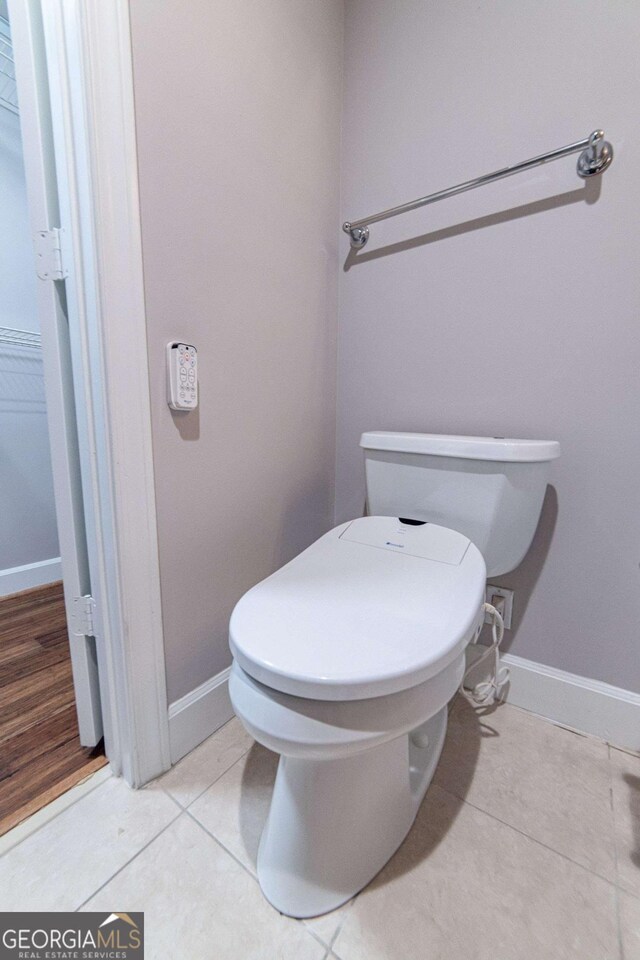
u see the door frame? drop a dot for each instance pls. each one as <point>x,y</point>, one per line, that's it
<point>90,74</point>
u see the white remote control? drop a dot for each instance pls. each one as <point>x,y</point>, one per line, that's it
<point>182,376</point>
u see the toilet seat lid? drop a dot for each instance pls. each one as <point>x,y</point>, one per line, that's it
<point>373,607</point>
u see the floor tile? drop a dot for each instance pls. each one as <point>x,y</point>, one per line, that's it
<point>235,807</point>
<point>630,926</point>
<point>326,926</point>
<point>465,886</point>
<point>625,783</point>
<point>65,861</point>
<point>548,782</point>
<point>200,903</point>
<point>200,768</point>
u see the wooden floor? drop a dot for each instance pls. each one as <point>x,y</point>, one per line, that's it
<point>40,752</point>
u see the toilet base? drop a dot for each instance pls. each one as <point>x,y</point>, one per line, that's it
<point>333,824</point>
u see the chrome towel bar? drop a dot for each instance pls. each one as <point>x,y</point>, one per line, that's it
<point>596,155</point>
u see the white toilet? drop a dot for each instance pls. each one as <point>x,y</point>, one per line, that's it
<point>346,658</point>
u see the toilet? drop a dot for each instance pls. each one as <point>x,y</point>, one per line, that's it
<point>345,659</point>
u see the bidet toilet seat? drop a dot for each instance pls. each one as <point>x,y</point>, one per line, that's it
<point>373,607</point>
<point>331,729</point>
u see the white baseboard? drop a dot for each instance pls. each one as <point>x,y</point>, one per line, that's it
<point>15,579</point>
<point>198,714</point>
<point>590,706</point>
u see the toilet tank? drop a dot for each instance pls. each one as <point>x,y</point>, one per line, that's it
<point>488,488</point>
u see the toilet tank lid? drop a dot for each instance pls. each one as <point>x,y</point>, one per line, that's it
<point>467,448</point>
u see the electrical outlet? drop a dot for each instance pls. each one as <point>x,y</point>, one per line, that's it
<point>502,600</point>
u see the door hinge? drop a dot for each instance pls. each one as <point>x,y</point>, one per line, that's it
<point>83,616</point>
<point>50,263</point>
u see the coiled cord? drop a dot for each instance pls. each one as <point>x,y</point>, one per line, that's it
<point>486,693</point>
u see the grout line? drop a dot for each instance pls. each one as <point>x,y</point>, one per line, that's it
<point>222,846</point>
<point>349,908</point>
<point>621,951</point>
<point>627,892</point>
<point>253,876</point>
<point>209,785</point>
<point>101,776</point>
<point>613,815</point>
<point>313,934</point>
<point>627,750</point>
<point>202,792</point>
<point>615,856</point>
<point>219,777</point>
<point>180,812</point>
<point>316,936</point>
<point>187,810</point>
<point>173,799</point>
<point>540,843</point>
<point>129,861</point>
<point>346,908</point>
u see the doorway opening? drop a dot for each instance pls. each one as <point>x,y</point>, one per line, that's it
<point>44,750</point>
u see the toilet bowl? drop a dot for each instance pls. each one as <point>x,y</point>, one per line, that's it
<point>346,658</point>
<point>344,663</point>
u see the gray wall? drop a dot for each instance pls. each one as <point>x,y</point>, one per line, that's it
<point>512,310</point>
<point>238,116</point>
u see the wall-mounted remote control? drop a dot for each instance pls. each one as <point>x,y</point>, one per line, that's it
<point>182,376</point>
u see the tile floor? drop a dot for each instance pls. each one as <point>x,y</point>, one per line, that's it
<point>527,846</point>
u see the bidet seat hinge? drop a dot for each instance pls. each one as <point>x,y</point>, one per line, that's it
<point>49,258</point>
<point>83,616</point>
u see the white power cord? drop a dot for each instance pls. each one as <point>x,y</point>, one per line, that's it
<point>486,693</point>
